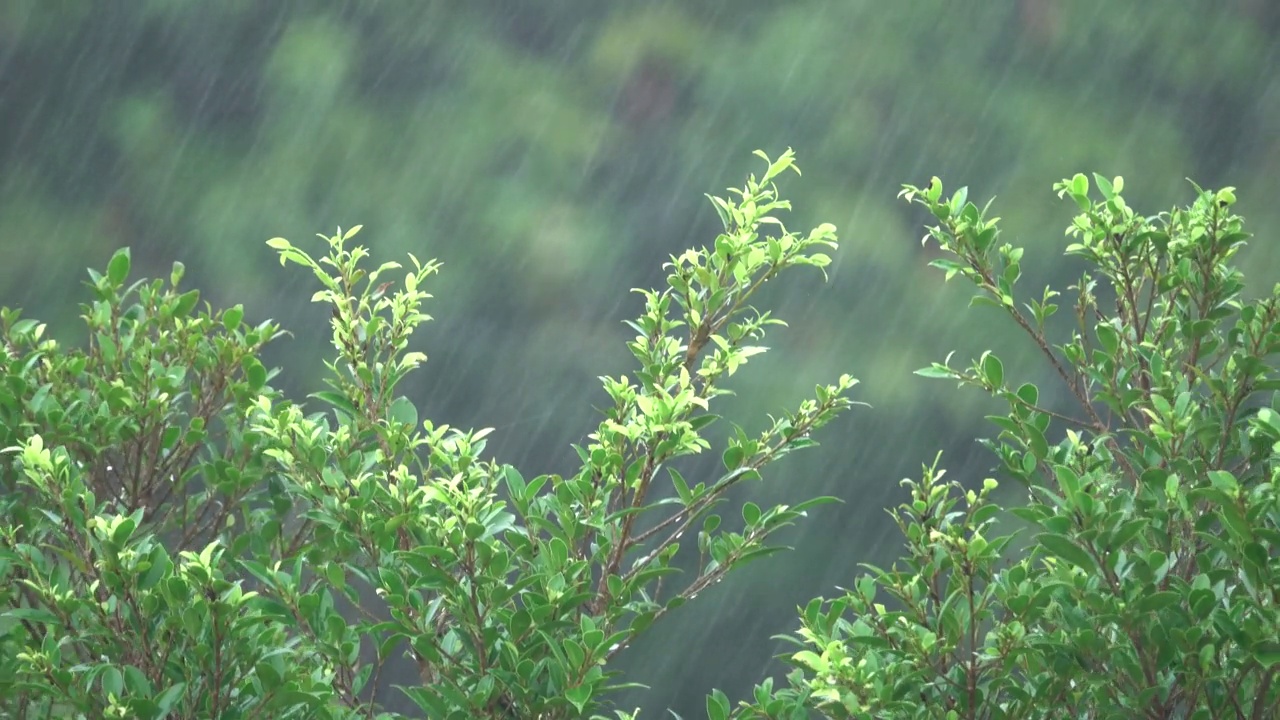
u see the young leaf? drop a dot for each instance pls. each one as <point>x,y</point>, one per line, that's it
<point>118,267</point>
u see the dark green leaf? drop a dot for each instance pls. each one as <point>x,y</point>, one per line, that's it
<point>1157,601</point>
<point>701,421</point>
<point>1267,653</point>
<point>123,531</point>
<point>682,487</point>
<point>1062,547</point>
<point>186,301</point>
<point>29,614</point>
<point>335,399</point>
<point>254,373</point>
<point>166,700</point>
<point>112,681</point>
<point>733,456</point>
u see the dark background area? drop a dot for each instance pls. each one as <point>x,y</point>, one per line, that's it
<point>553,153</point>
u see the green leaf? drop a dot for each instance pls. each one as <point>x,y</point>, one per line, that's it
<point>1061,546</point>
<point>1079,184</point>
<point>950,267</point>
<point>934,191</point>
<point>335,399</point>
<point>722,210</point>
<point>1069,482</point>
<point>136,682</point>
<point>682,487</point>
<point>118,267</point>
<point>803,507</point>
<point>1267,653</point>
<point>993,370</point>
<point>1104,186</point>
<point>335,575</point>
<point>810,660</point>
<point>160,567</point>
<point>711,523</point>
<point>404,411</point>
<point>123,531</point>
<point>760,552</point>
<point>516,484</point>
<point>750,513</point>
<point>186,301</point>
<point>717,706</point>
<point>112,681</point>
<point>29,614</point>
<point>732,457</point>
<point>578,696</point>
<point>232,317</point>
<point>254,372</point>
<point>1127,532</point>
<point>1109,337</point>
<point>1038,444</point>
<point>166,700</point>
<point>701,421</point>
<point>40,397</point>
<point>1029,393</point>
<point>936,371</point>
<point>1225,481</point>
<point>984,301</point>
<point>1157,601</point>
<point>1235,521</point>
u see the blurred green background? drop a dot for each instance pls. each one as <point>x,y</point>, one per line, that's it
<point>552,153</point>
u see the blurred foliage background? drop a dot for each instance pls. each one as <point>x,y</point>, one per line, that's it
<point>553,153</point>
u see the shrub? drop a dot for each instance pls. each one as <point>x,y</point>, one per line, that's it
<point>1141,578</point>
<point>179,540</point>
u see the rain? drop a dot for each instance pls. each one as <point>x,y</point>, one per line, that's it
<point>554,155</point>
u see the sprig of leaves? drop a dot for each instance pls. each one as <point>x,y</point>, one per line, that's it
<point>1149,585</point>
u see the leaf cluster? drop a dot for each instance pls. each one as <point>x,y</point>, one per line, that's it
<point>1142,578</point>
<point>180,540</point>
